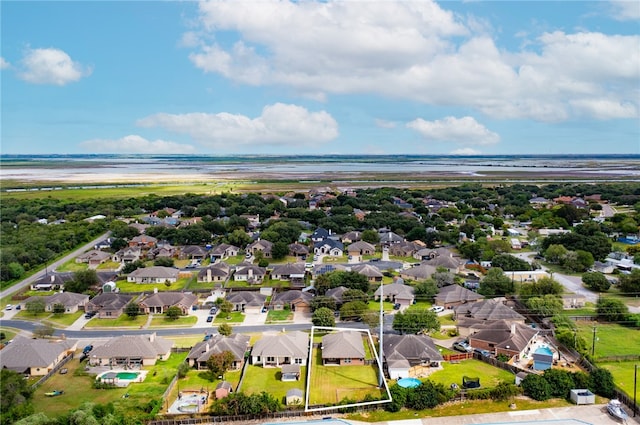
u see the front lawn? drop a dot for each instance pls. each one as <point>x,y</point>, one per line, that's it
<point>72,266</point>
<point>65,319</point>
<point>285,315</point>
<point>123,321</point>
<point>233,317</point>
<point>453,372</point>
<point>331,384</point>
<point>182,321</point>
<point>611,339</point>
<point>268,379</point>
<point>125,286</point>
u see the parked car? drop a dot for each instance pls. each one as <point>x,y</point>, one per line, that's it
<point>9,307</point>
<point>437,308</point>
<point>213,310</point>
<point>90,314</point>
<point>396,306</point>
<point>483,353</point>
<point>209,319</point>
<point>18,307</point>
<point>462,346</point>
<point>87,349</point>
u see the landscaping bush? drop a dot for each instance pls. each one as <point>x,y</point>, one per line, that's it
<point>602,382</point>
<point>561,382</point>
<point>536,387</point>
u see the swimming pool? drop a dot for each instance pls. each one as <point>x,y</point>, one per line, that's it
<point>409,382</point>
<point>128,375</point>
<point>121,378</point>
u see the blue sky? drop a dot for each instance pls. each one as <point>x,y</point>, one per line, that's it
<point>306,77</point>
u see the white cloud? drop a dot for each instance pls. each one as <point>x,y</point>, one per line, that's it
<point>465,151</point>
<point>189,39</point>
<point>51,66</point>
<point>625,10</point>
<point>384,123</point>
<point>465,131</point>
<point>605,109</point>
<point>279,124</point>
<point>135,144</point>
<point>417,51</point>
<point>4,64</point>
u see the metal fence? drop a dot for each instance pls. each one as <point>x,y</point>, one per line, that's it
<point>53,371</point>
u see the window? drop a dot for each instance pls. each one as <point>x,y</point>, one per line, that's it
<point>298,361</point>
<point>347,360</point>
<point>271,359</point>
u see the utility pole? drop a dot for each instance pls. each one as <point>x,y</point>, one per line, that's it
<point>635,383</point>
<point>593,344</point>
<point>381,380</point>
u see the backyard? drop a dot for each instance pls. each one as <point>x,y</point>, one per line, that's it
<point>611,339</point>
<point>268,379</point>
<point>453,372</point>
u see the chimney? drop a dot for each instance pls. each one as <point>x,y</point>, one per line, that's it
<point>250,272</point>
<point>155,290</point>
<point>513,328</point>
<point>208,276</point>
<point>53,278</point>
<point>152,337</point>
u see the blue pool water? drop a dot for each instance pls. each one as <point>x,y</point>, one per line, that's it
<point>544,350</point>
<point>409,382</point>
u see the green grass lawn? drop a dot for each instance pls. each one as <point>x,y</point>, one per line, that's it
<point>234,317</point>
<point>125,286</point>
<point>163,321</point>
<point>123,321</point>
<point>9,333</point>
<point>489,376</point>
<point>274,316</point>
<point>268,379</point>
<point>109,265</point>
<point>330,384</point>
<point>64,320</point>
<point>195,285</point>
<point>72,266</point>
<point>611,339</point>
<point>623,375</point>
<point>375,306</point>
<point>589,309</point>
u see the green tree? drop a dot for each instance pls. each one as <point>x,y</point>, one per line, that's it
<point>132,310</point>
<point>225,329</point>
<point>509,262</point>
<point>547,305</point>
<point>59,308</point>
<point>370,236</point>
<point>35,306</point>
<point>630,283</point>
<point>238,238</point>
<point>280,250</point>
<point>612,309</point>
<point>426,289</point>
<point>555,253</point>
<point>352,310</point>
<point>15,397</point>
<point>560,381</point>
<point>45,331</point>
<point>536,387</point>
<point>133,266</point>
<point>82,281</point>
<point>355,295</point>
<point>414,321</point>
<point>225,307</point>
<point>596,281</point>
<point>602,382</point>
<point>323,317</point>
<point>163,261</point>
<point>323,301</point>
<point>219,363</point>
<point>173,312</point>
<point>496,283</point>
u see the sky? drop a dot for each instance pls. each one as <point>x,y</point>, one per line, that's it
<point>320,77</point>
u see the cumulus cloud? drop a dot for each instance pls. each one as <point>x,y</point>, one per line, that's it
<point>385,124</point>
<point>465,131</point>
<point>465,151</point>
<point>51,66</point>
<point>625,10</point>
<point>4,64</point>
<point>414,50</point>
<point>135,144</point>
<point>279,124</point>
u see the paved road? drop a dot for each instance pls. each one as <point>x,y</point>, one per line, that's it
<point>28,281</point>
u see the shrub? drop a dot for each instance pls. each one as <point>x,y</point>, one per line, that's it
<point>536,387</point>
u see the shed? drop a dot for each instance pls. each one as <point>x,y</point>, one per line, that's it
<point>293,397</point>
<point>223,389</point>
<point>290,372</point>
<point>582,397</point>
<point>520,377</point>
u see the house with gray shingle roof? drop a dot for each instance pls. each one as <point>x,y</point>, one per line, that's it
<point>420,272</point>
<point>505,337</point>
<point>127,255</point>
<point>329,247</point>
<point>247,301</point>
<point>218,272</point>
<point>371,272</point>
<point>236,344</point>
<point>93,258</point>
<point>154,274</point>
<point>487,310</point>
<point>193,252</point>
<point>337,294</point>
<point>298,250</point>
<point>35,357</point>
<point>396,293</point>
<point>455,295</point>
<point>280,349</point>
<point>131,351</point>
<point>71,301</point>
<point>361,248</point>
<point>250,273</point>
<point>295,300</point>
<point>223,251</point>
<point>159,302</point>
<point>402,353</point>
<point>292,272</point>
<point>343,348</point>
<point>261,245</point>
<point>109,305</point>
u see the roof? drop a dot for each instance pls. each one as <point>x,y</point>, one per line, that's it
<point>111,300</point>
<point>395,289</point>
<point>336,293</point>
<point>343,345</point>
<point>410,347</point>
<point>292,295</point>
<point>423,271</point>
<point>155,272</point>
<point>367,270</point>
<point>294,392</point>
<point>236,344</point>
<point>503,334</point>
<point>161,299</point>
<point>24,353</point>
<point>292,344</point>
<point>256,270</point>
<point>218,269</point>
<point>491,309</point>
<point>456,293</point>
<point>249,298</point>
<point>290,368</point>
<point>146,346</point>
<point>225,385</point>
<point>222,248</point>
<point>288,269</point>
<point>361,246</point>
<point>332,243</point>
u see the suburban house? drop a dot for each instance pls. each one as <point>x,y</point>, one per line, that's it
<point>504,337</point>
<point>51,282</point>
<point>154,274</point>
<point>109,305</point>
<point>140,227</point>
<point>71,301</point>
<point>143,241</point>
<point>372,273</point>
<point>236,344</point>
<point>454,295</point>
<point>396,293</point>
<point>127,255</point>
<point>452,264</point>
<point>298,250</point>
<point>351,237</point>
<point>320,234</point>
<point>223,251</point>
<point>526,276</point>
<point>35,357</point>
<point>422,271</point>
<point>343,348</point>
<point>405,355</point>
<point>573,301</point>
<point>281,349</point>
<point>131,351</point>
<point>404,249</point>
<point>389,238</point>
<point>193,252</point>
<point>218,272</point>
<point>487,310</point>
<point>262,246</point>
<point>330,247</point>
<point>247,301</point>
<point>292,272</point>
<point>93,258</point>
<point>361,248</point>
<point>295,300</point>
<point>159,302</point>
<point>104,244</point>
<point>252,274</point>
<point>337,294</point>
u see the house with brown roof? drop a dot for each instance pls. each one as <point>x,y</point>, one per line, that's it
<point>93,258</point>
<point>280,349</point>
<point>298,250</point>
<point>71,301</point>
<point>35,357</point>
<point>159,302</point>
<point>131,351</point>
<point>236,344</point>
<point>372,273</point>
<point>250,273</point>
<point>143,241</point>
<point>291,272</point>
<point>108,305</point>
<point>218,272</point>
<point>405,355</point>
<point>262,246</point>
<point>504,337</point>
<point>351,237</point>
<point>193,252</point>
<point>343,348</point>
<point>247,301</point>
<point>488,310</point>
<point>455,295</point>
<point>154,274</point>
<point>223,251</point>
<point>360,248</point>
<point>404,249</point>
<point>295,300</point>
<point>223,389</point>
<point>127,255</point>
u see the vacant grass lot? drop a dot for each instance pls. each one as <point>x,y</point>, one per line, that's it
<point>182,321</point>
<point>623,375</point>
<point>611,339</point>
<point>330,384</point>
<point>268,379</point>
<point>489,376</point>
<point>123,321</point>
